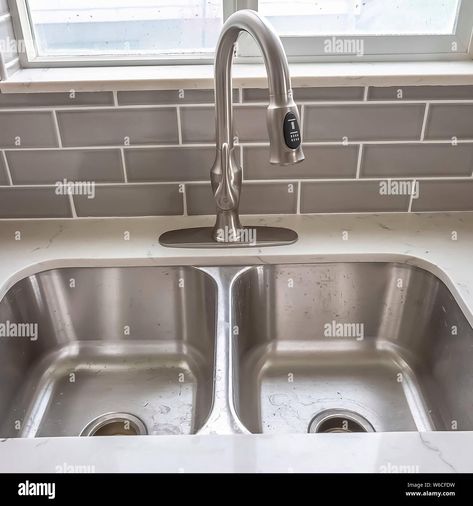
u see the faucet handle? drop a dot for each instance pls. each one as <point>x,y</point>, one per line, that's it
<point>227,194</point>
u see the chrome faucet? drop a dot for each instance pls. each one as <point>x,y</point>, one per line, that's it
<point>284,135</point>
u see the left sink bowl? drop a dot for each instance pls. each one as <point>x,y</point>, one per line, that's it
<point>102,351</point>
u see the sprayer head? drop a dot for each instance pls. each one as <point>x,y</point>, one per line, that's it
<point>284,134</point>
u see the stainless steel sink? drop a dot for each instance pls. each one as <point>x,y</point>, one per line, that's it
<point>334,347</point>
<point>130,343</point>
<point>371,345</point>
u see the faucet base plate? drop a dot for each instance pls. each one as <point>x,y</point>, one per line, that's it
<point>201,237</point>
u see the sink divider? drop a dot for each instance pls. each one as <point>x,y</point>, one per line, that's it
<point>223,418</point>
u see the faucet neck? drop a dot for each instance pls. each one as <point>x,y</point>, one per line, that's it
<point>274,58</point>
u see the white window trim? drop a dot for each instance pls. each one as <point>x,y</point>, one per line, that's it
<point>299,49</point>
<point>172,77</point>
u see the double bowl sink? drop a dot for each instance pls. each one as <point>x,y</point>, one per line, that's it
<point>296,348</point>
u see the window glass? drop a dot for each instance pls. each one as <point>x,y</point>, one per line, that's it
<point>106,27</point>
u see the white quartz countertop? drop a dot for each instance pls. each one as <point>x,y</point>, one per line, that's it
<point>441,243</point>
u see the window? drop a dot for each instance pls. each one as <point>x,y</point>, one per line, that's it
<point>364,17</point>
<point>371,29</point>
<point>81,32</point>
<point>84,30</point>
<point>102,27</point>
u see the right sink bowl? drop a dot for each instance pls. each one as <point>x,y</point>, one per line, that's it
<point>343,347</point>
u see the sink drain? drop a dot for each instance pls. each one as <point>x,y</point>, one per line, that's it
<point>115,424</point>
<point>339,420</point>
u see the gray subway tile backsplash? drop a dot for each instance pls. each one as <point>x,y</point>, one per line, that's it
<point>250,124</point>
<point>69,99</point>
<point>40,202</point>
<point>165,97</point>
<point>320,94</point>
<point>169,97</point>
<point>450,120</point>
<point>256,198</point>
<point>454,195</point>
<point>320,162</point>
<point>198,124</point>
<point>417,160</point>
<point>181,163</point>
<point>27,129</point>
<point>421,93</point>
<point>140,153</point>
<point>50,166</point>
<point>363,122</point>
<point>349,197</point>
<point>104,127</point>
<point>131,200</point>
<point>200,199</point>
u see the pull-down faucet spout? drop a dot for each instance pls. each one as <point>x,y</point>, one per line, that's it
<point>284,135</point>
<point>282,116</point>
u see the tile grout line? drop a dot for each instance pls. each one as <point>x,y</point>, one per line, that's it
<point>124,170</point>
<point>7,168</point>
<point>411,199</point>
<point>111,147</point>
<point>424,123</point>
<point>359,160</point>
<point>322,213</point>
<point>285,181</point>
<point>179,124</point>
<point>298,203</point>
<point>184,199</point>
<point>56,128</point>
<point>72,205</point>
<point>336,143</point>
<point>201,182</point>
<point>211,105</point>
<point>355,142</point>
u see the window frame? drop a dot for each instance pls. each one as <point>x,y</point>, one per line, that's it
<point>382,48</point>
<point>299,49</point>
<point>30,59</point>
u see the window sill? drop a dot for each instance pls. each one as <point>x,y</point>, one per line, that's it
<point>245,75</point>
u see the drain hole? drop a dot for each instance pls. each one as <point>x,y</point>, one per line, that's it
<point>335,420</point>
<point>121,428</point>
<point>340,424</point>
<point>115,424</point>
